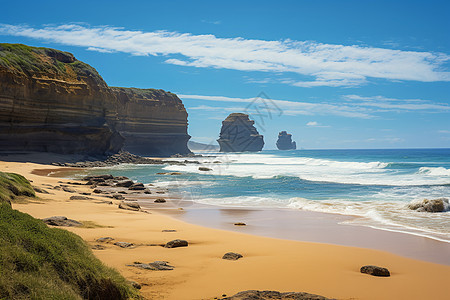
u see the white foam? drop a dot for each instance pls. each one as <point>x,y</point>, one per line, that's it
<point>320,170</point>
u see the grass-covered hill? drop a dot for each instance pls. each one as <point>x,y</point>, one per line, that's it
<point>38,262</point>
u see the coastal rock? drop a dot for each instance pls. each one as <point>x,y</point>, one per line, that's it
<point>285,142</point>
<point>124,183</point>
<point>124,244</point>
<point>375,271</point>
<point>105,239</point>
<point>66,107</point>
<point>61,221</point>
<point>118,197</point>
<point>238,134</point>
<point>39,190</point>
<point>176,243</point>
<point>154,266</point>
<point>274,295</point>
<point>433,205</point>
<point>135,284</point>
<point>68,189</point>
<point>129,205</point>
<point>79,198</point>
<point>160,200</point>
<point>232,256</point>
<point>240,224</point>
<point>137,187</point>
<point>204,169</point>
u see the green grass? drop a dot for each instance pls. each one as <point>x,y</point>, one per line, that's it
<point>38,262</point>
<point>14,185</point>
<point>39,60</point>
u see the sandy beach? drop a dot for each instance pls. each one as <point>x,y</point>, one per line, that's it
<point>200,272</point>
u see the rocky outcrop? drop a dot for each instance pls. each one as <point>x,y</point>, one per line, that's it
<point>432,205</point>
<point>285,142</point>
<point>273,295</point>
<point>238,134</point>
<point>52,102</point>
<point>375,271</point>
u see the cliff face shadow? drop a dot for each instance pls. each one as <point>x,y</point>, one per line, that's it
<point>45,157</point>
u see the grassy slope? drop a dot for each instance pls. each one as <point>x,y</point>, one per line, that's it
<point>38,262</point>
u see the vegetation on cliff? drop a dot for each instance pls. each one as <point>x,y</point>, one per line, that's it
<point>47,62</point>
<point>38,262</point>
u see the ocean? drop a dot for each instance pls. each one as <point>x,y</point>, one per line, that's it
<point>374,185</point>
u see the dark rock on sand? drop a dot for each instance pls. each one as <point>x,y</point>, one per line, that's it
<point>98,247</point>
<point>232,256</point>
<point>84,193</point>
<point>39,190</point>
<point>274,295</point>
<point>155,266</point>
<point>160,192</point>
<point>137,187</point>
<point>135,284</point>
<point>160,200</point>
<point>118,197</point>
<point>147,192</point>
<point>204,169</point>
<point>176,243</point>
<point>285,142</point>
<point>168,230</point>
<point>79,198</point>
<point>124,183</point>
<point>124,244</point>
<point>375,271</point>
<point>105,239</point>
<point>433,205</point>
<point>61,221</point>
<point>130,205</point>
<point>238,134</point>
<point>240,224</point>
<point>68,189</point>
<point>98,191</point>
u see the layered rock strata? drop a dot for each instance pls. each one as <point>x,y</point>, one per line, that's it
<point>238,134</point>
<point>52,102</point>
<point>285,142</point>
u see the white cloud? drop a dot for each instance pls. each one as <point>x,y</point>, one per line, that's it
<point>315,124</point>
<point>393,104</point>
<point>324,64</point>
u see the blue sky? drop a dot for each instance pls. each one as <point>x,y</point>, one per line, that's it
<point>338,74</point>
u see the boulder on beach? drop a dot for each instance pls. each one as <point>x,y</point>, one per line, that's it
<point>433,205</point>
<point>61,221</point>
<point>375,271</point>
<point>274,295</point>
<point>130,205</point>
<point>176,243</point>
<point>232,256</point>
<point>238,134</point>
<point>154,266</point>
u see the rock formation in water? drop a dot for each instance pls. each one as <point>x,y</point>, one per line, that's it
<point>285,142</point>
<point>52,102</point>
<point>238,134</point>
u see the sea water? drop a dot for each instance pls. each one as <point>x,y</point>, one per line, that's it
<point>375,186</point>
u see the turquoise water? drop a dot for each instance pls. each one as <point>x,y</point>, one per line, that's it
<point>375,185</point>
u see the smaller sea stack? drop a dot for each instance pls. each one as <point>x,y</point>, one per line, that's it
<point>285,141</point>
<point>238,134</point>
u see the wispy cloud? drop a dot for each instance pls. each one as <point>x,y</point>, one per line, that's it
<point>315,124</point>
<point>351,106</point>
<point>322,64</point>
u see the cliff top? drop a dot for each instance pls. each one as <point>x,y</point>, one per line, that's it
<point>46,63</point>
<point>137,95</point>
<point>233,116</point>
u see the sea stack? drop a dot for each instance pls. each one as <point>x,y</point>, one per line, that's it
<point>238,134</point>
<point>285,141</point>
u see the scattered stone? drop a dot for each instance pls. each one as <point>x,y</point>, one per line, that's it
<point>124,183</point>
<point>137,186</point>
<point>122,192</point>
<point>160,200</point>
<point>61,221</point>
<point>79,198</point>
<point>57,187</point>
<point>39,190</point>
<point>106,183</point>
<point>160,192</point>
<point>162,173</point>
<point>105,239</point>
<point>98,177</point>
<point>155,266</point>
<point>176,243</point>
<point>130,205</point>
<point>134,284</point>
<point>168,230</point>
<point>273,295</point>
<point>98,191</point>
<point>232,256</point>
<point>98,247</point>
<point>124,244</point>
<point>240,224</point>
<point>147,192</point>
<point>118,197</point>
<point>204,169</point>
<point>175,173</point>
<point>433,205</point>
<point>375,271</point>
<point>85,193</point>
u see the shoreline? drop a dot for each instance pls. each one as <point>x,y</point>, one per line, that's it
<point>200,273</point>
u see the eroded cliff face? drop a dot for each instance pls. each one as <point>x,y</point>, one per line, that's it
<point>238,134</point>
<point>51,102</point>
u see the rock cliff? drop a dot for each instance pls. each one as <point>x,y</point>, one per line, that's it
<point>238,134</point>
<point>285,142</point>
<point>50,101</point>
